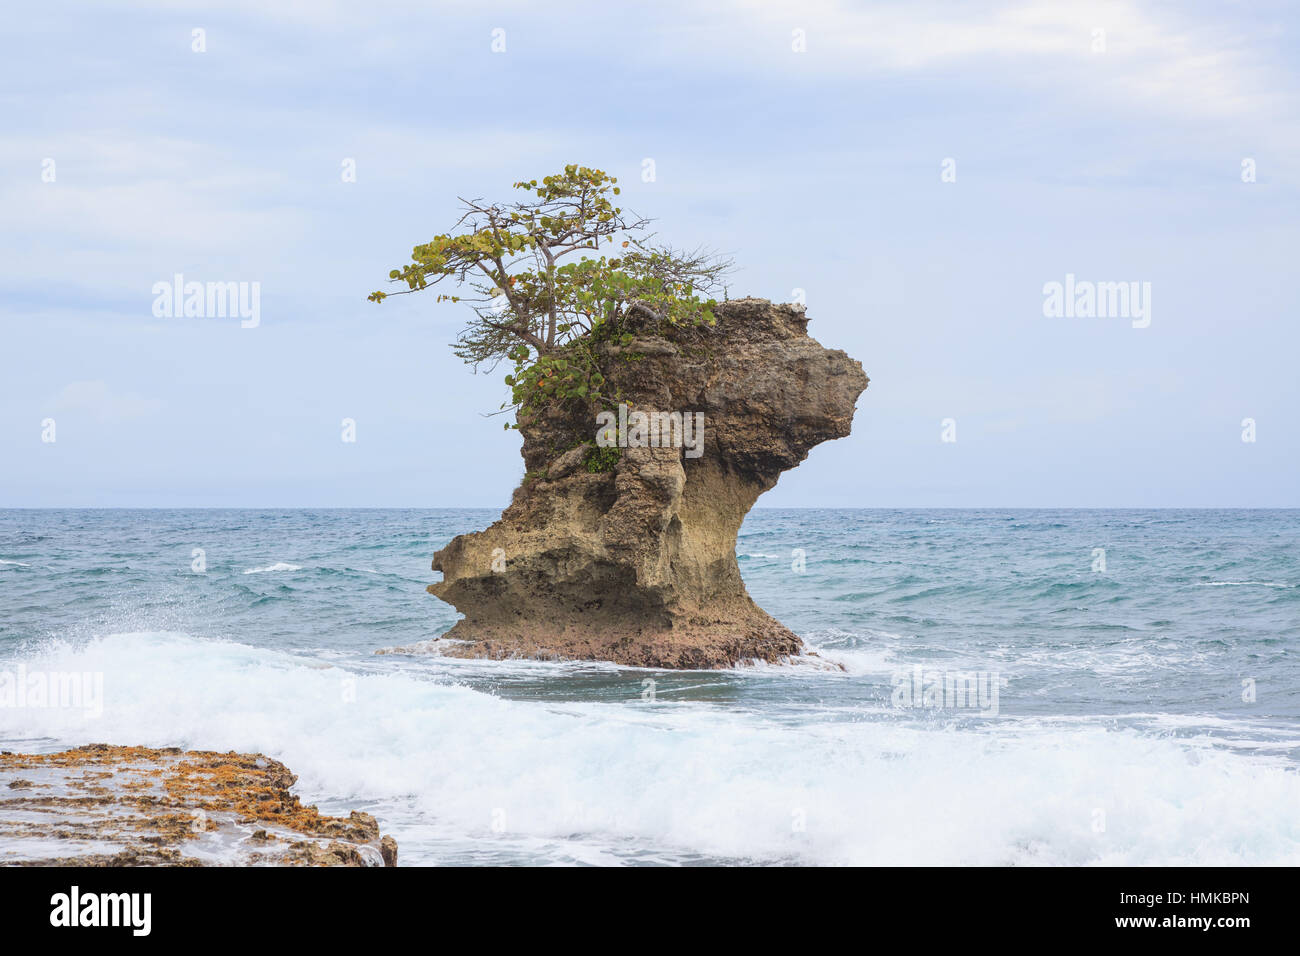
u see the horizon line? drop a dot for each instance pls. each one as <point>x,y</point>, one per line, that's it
<point>751,510</point>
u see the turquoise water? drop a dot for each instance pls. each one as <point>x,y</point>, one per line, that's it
<point>1118,734</point>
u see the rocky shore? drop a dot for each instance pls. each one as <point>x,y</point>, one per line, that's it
<point>101,805</point>
<point>628,554</point>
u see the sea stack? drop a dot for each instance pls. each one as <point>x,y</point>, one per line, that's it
<point>628,554</point>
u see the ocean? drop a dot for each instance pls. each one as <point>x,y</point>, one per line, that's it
<point>1017,687</point>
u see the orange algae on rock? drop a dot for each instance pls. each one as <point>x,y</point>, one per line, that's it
<point>103,805</point>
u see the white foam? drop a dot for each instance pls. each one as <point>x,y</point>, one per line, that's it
<point>1242,584</point>
<point>278,566</point>
<point>440,764</point>
<point>861,653</point>
<point>16,564</point>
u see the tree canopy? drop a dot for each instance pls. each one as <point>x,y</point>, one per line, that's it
<point>542,292</point>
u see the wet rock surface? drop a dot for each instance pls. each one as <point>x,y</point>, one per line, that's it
<point>101,805</point>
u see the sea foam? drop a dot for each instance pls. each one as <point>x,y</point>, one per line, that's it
<point>459,775</point>
<point>278,566</point>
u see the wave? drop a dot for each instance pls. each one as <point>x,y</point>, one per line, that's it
<point>461,775</point>
<point>278,566</point>
<point>1242,584</point>
<point>16,564</point>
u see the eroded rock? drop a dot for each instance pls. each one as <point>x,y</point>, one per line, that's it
<point>637,564</point>
<point>101,805</point>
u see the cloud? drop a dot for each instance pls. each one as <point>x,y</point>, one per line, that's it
<point>97,400</point>
<point>1163,62</point>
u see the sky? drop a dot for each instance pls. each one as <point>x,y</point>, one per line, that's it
<point>918,173</point>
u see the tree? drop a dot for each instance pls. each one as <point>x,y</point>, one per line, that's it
<point>543,294</point>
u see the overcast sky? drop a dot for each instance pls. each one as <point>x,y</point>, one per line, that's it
<point>1114,157</point>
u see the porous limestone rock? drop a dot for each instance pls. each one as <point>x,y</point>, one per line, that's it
<point>101,805</point>
<point>637,564</point>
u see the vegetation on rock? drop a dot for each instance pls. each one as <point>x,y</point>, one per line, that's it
<point>544,296</point>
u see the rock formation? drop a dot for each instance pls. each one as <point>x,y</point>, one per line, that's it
<point>100,805</point>
<point>636,564</point>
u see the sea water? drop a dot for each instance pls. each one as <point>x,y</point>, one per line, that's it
<point>1145,667</point>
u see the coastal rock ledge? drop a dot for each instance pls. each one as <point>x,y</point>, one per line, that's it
<point>633,560</point>
<point>101,805</point>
